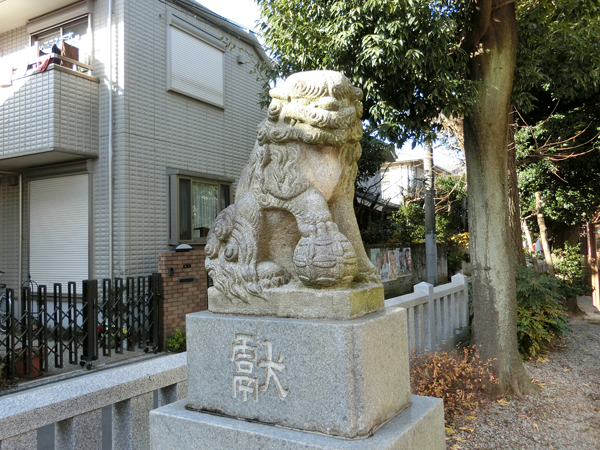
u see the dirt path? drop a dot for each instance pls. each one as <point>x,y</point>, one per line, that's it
<point>566,415</point>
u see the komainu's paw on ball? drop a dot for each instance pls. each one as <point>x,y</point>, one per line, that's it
<point>272,275</point>
<point>326,258</point>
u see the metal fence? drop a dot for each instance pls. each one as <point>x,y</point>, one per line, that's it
<point>110,315</point>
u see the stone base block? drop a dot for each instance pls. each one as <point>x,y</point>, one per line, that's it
<point>173,427</point>
<point>298,301</point>
<point>341,378</point>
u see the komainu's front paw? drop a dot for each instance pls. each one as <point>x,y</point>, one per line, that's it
<point>272,275</point>
<point>325,258</point>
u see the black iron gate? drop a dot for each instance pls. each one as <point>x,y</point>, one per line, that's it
<point>104,316</point>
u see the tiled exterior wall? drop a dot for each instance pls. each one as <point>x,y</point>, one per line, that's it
<point>9,230</point>
<point>50,110</point>
<point>180,297</point>
<point>100,232</point>
<point>160,129</point>
<point>153,130</point>
<point>13,40</point>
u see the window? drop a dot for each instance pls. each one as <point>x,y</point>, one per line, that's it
<point>194,62</point>
<point>195,202</point>
<point>59,230</point>
<point>75,32</point>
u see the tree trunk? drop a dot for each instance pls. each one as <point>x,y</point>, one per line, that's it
<point>565,233</point>
<point>534,262</point>
<point>593,261</point>
<point>492,43</point>
<point>543,236</point>
<point>514,210</point>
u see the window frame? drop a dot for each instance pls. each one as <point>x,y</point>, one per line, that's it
<point>186,27</point>
<point>61,18</point>
<point>175,200</point>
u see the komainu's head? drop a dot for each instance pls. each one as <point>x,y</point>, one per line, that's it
<point>318,107</point>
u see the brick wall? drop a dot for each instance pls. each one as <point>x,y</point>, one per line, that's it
<point>180,295</point>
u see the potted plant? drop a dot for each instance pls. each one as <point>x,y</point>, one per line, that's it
<point>21,362</point>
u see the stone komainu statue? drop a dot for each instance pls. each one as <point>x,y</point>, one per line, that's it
<point>293,219</point>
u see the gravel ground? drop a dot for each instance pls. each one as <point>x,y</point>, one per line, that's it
<point>566,414</point>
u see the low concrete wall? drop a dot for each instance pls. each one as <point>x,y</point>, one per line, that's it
<point>77,407</point>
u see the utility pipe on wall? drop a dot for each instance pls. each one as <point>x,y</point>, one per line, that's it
<point>110,147</point>
<point>20,238</point>
<point>20,270</point>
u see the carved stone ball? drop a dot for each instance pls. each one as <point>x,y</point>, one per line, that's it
<point>325,260</point>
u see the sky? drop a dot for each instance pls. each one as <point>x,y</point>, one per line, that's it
<point>245,13</point>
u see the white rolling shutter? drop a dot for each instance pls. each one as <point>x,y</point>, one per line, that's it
<point>196,68</point>
<point>58,247</point>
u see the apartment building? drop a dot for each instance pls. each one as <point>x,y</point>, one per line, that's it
<point>124,126</point>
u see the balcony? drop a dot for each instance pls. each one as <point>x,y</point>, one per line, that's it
<point>48,117</point>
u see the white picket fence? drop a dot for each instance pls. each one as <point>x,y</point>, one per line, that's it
<point>438,316</point>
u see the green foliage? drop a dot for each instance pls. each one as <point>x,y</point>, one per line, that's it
<point>560,157</point>
<point>450,212</point>
<point>458,377</point>
<point>568,268</point>
<point>455,259</point>
<point>409,220</point>
<point>374,153</point>
<point>540,315</point>
<point>382,231</point>
<point>567,263</point>
<point>176,342</point>
<point>409,224</point>
<point>405,56</point>
<point>558,55</point>
<point>557,93</point>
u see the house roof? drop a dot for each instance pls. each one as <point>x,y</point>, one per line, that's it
<point>403,162</point>
<point>240,32</point>
<point>376,201</point>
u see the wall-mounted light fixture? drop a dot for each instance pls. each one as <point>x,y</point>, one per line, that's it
<point>182,248</point>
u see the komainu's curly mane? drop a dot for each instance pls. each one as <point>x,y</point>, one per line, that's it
<point>293,218</point>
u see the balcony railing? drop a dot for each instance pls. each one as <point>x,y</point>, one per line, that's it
<point>48,116</point>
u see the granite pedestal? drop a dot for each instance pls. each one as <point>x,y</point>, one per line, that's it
<point>342,378</point>
<point>298,301</point>
<point>173,427</point>
<point>258,383</point>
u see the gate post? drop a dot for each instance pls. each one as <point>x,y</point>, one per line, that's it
<point>90,321</point>
<point>157,317</point>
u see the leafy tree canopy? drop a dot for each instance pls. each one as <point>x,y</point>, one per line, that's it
<point>374,153</point>
<point>558,57</point>
<point>557,94</point>
<point>404,54</point>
